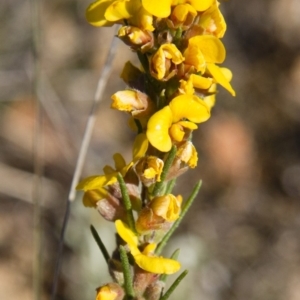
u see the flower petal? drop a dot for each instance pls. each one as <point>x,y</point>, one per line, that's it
<point>158,129</point>
<point>96,182</point>
<point>157,265</point>
<point>189,107</point>
<point>128,236</point>
<point>95,13</point>
<point>220,77</point>
<point>211,47</point>
<point>140,146</point>
<point>201,5</point>
<point>158,8</point>
<point>118,10</point>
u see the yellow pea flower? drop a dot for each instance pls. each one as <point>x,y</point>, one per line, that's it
<point>134,102</point>
<point>161,62</point>
<point>99,181</point>
<point>109,12</point>
<point>188,154</point>
<point>202,50</point>
<point>168,207</point>
<point>146,259</point>
<point>110,291</point>
<point>212,21</point>
<point>183,15</point>
<point>197,81</point>
<point>149,169</point>
<point>105,293</point>
<point>162,8</point>
<point>169,123</point>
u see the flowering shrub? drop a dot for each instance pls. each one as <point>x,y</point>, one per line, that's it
<point>167,97</point>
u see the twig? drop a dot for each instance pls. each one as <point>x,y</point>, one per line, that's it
<point>37,150</point>
<point>81,156</point>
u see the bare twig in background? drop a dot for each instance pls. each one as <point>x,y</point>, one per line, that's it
<point>37,149</point>
<point>82,154</point>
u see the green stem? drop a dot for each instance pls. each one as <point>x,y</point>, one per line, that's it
<point>164,173</point>
<point>127,273</point>
<point>127,203</point>
<point>100,244</point>
<point>185,209</point>
<point>174,285</point>
<point>170,186</point>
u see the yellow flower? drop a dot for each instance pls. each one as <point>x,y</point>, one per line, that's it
<point>188,154</point>
<point>161,62</point>
<point>146,259</point>
<point>202,50</point>
<point>149,169</point>
<point>162,8</point>
<point>169,123</point>
<point>109,12</point>
<point>183,15</point>
<point>105,293</point>
<point>197,81</point>
<point>168,207</point>
<point>91,197</point>
<point>212,21</point>
<point>134,102</point>
<point>99,181</point>
<point>136,38</point>
<point>110,291</point>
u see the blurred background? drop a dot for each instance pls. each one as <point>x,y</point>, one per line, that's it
<point>241,240</point>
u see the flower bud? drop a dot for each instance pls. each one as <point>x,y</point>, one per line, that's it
<point>149,169</point>
<point>136,38</point>
<point>110,291</point>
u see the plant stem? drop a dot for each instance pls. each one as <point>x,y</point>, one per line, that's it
<point>164,173</point>
<point>100,244</point>
<point>127,273</point>
<point>127,203</point>
<point>174,285</point>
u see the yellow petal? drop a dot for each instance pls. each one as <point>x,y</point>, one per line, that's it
<point>194,57</point>
<point>149,249</point>
<point>130,73</point>
<point>189,107</point>
<point>220,78</point>
<point>154,168</point>
<point>106,293</point>
<point>90,198</point>
<point>157,265</point>
<point>177,132</point>
<point>158,129</point>
<point>167,207</point>
<point>188,154</point>
<point>158,8</point>
<point>118,10</point>
<point>188,125</point>
<point>127,100</point>
<point>96,182</point>
<point>201,5</point>
<point>95,13</point>
<point>128,236</point>
<point>140,146</point>
<point>211,47</point>
<point>200,82</point>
